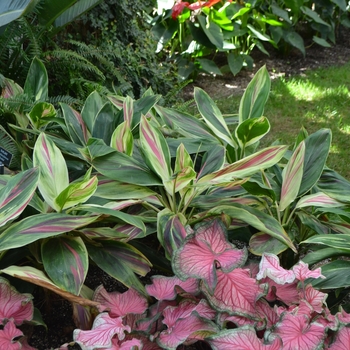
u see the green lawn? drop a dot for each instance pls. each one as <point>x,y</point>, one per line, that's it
<point>319,99</point>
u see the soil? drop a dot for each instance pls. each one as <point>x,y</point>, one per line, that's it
<point>57,312</point>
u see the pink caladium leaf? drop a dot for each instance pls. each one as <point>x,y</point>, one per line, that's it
<point>343,316</point>
<point>239,321</point>
<point>270,267</point>
<point>243,338</point>
<point>297,332</point>
<point>102,332</point>
<point>183,328</point>
<point>314,297</point>
<point>287,293</point>
<point>14,305</point>
<point>302,272</point>
<point>9,338</point>
<point>120,304</point>
<point>236,293</point>
<point>266,312</point>
<point>204,252</point>
<point>132,344</point>
<point>342,339</point>
<point>164,288</point>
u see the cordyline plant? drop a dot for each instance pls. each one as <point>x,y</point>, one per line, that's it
<point>219,298</point>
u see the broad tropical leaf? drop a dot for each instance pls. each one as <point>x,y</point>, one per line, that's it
<point>70,254</point>
<point>338,241</point>
<point>337,275</point>
<point>37,81</point>
<point>261,243</point>
<point>53,169</point>
<point>255,96</point>
<point>89,112</point>
<point>16,194</point>
<point>40,226</point>
<point>122,139</point>
<point>318,199</point>
<point>203,252</point>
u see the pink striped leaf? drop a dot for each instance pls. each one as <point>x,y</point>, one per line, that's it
<point>41,226</point>
<point>236,293</point>
<point>270,267</point>
<point>70,254</point>
<point>164,288</point>
<point>302,272</point>
<point>260,243</point>
<point>53,169</point>
<point>11,338</point>
<point>246,166</point>
<point>16,194</point>
<point>156,151</point>
<point>77,193</point>
<point>192,326</point>
<point>318,199</point>
<point>242,338</point>
<point>122,139</point>
<point>291,177</point>
<point>120,304</point>
<point>342,339</point>
<point>103,330</point>
<point>203,252</point>
<point>314,297</point>
<point>14,305</point>
<point>171,231</point>
<point>297,332</point>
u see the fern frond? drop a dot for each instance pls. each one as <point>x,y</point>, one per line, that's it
<point>65,99</point>
<point>10,145</point>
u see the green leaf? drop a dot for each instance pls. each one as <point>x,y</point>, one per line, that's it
<point>295,40</point>
<point>66,262</point>
<point>16,194</point>
<point>40,226</point>
<point>121,261</point>
<point>53,170</point>
<point>292,175</point>
<point>321,41</point>
<point>341,3</point>
<point>341,241</point>
<point>209,66</point>
<point>37,82</point>
<point>251,131</point>
<point>212,31</point>
<point>322,254</point>
<point>212,115</point>
<point>41,114</point>
<point>313,15</point>
<point>281,13</point>
<point>255,96</point>
<point>317,147</point>
<point>235,62</point>
<point>91,107</point>
<point>183,172</point>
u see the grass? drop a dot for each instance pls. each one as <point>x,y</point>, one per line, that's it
<point>319,99</point>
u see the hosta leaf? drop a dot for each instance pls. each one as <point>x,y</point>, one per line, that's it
<point>14,305</point>
<point>40,226</point>
<point>70,254</point>
<point>212,116</point>
<point>16,194</point>
<point>246,166</point>
<point>204,252</point>
<point>318,199</point>
<point>251,130</point>
<point>122,139</point>
<point>103,330</point>
<point>76,193</point>
<point>156,151</point>
<point>243,338</point>
<point>255,96</point>
<point>120,304</point>
<point>171,231</point>
<point>297,333</point>
<point>292,175</point>
<point>164,288</point>
<point>316,152</point>
<point>53,169</point>
<point>235,293</point>
<point>121,261</point>
<point>269,266</point>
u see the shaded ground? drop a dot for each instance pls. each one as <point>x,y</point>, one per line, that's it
<point>57,312</point>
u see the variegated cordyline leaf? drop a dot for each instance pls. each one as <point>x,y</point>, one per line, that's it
<point>14,305</point>
<point>318,199</point>
<point>53,169</point>
<point>337,241</point>
<point>89,112</point>
<point>122,139</point>
<point>292,175</point>
<point>37,277</point>
<point>16,194</point>
<point>42,114</point>
<point>76,193</point>
<point>128,110</point>
<point>204,252</point>
<point>212,116</point>
<point>41,226</point>
<point>260,243</point>
<point>255,96</point>
<point>102,332</point>
<point>156,151</point>
<point>242,338</point>
<point>71,256</point>
<point>256,218</point>
<point>246,166</point>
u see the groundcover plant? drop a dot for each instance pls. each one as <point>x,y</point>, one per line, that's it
<point>96,186</point>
